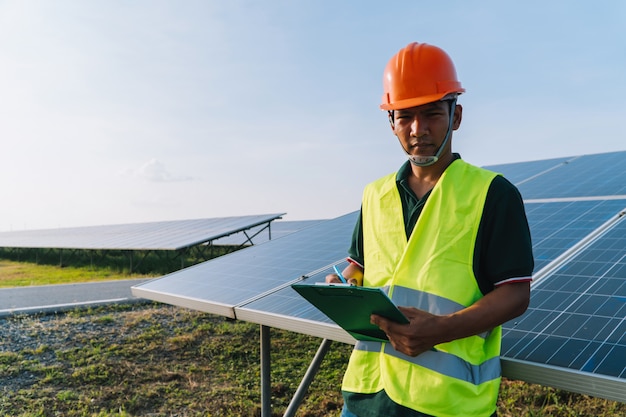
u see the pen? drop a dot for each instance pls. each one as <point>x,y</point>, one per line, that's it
<point>340,275</point>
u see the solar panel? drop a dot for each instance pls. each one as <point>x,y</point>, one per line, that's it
<point>584,176</point>
<point>577,320</point>
<point>166,235</point>
<point>220,285</point>
<point>557,226</point>
<point>523,171</point>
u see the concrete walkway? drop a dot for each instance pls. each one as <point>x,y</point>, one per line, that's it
<point>62,297</point>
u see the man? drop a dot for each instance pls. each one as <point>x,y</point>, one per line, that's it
<point>450,243</point>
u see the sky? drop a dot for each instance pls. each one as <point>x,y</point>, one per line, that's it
<point>118,111</point>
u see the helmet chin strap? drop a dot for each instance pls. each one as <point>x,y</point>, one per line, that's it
<point>426,161</point>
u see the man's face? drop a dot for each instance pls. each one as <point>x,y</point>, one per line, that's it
<point>422,129</point>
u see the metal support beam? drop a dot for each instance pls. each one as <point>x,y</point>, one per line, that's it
<point>266,386</point>
<point>308,378</point>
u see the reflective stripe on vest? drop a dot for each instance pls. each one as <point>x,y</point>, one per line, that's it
<point>442,362</point>
<point>432,271</point>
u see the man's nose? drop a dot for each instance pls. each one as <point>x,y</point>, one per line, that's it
<point>418,127</point>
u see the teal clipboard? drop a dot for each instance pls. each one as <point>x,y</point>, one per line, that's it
<point>350,307</point>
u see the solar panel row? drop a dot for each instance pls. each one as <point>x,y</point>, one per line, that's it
<point>167,235</point>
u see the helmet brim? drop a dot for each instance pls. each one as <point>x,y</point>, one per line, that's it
<point>418,101</point>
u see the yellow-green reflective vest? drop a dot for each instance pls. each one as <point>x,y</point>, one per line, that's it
<point>433,271</point>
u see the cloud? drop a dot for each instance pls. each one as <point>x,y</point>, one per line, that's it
<point>155,171</point>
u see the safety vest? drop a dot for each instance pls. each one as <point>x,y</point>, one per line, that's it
<point>432,271</point>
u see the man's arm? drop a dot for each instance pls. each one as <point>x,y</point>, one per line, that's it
<point>427,330</point>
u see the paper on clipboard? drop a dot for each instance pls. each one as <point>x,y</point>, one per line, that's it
<point>351,307</point>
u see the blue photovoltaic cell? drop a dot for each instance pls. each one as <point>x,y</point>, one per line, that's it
<point>584,176</point>
<point>522,171</point>
<point>248,273</point>
<point>577,315</point>
<point>556,227</point>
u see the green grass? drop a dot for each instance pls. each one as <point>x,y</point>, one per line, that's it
<point>20,274</point>
<point>155,360</point>
<point>153,262</point>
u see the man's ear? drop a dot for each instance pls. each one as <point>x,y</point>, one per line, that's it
<point>458,116</point>
<point>391,121</point>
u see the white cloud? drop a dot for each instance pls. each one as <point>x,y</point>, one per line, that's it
<point>156,171</point>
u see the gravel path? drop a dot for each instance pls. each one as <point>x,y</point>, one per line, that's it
<point>42,336</point>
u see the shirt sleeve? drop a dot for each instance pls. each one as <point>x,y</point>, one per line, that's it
<point>355,253</point>
<point>503,252</point>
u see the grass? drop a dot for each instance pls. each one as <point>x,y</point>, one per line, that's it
<point>157,360</point>
<point>20,274</point>
<point>125,262</point>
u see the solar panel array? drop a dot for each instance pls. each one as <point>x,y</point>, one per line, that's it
<point>165,235</point>
<point>576,318</point>
<point>576,321</point>
<point>573,334</point>
<point>558,226</point>
<point>571,337</point>
<point>585,176</point>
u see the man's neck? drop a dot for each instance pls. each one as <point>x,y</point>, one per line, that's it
<point>424,179</point>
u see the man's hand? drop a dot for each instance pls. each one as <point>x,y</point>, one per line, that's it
<point>421,334</point>
<point>334,279</point>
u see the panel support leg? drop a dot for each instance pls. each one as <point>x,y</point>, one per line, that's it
<point>308,378</point>
<point>266,388</point>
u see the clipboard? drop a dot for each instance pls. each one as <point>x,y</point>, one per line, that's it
<point>351,306</point>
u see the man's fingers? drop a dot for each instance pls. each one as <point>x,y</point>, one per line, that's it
<point>381,322</point>
<point>332,279</point>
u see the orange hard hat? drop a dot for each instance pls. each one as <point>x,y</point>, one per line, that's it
<point>418,74</point>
